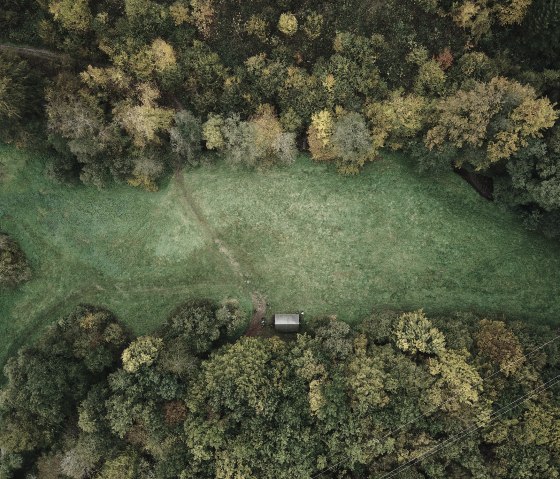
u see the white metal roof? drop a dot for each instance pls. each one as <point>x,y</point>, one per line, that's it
<point>286,319</point>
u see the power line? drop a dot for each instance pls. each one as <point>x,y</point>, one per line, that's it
<point>493,417</point>
<point>413,420</point>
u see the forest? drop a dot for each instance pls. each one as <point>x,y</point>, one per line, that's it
<point>399,395</point>
<point>126,90</point>
<point>174,172</point>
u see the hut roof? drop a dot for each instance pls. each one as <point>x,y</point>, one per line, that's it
<point>286,322</point>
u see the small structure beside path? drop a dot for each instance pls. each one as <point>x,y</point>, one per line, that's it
<point>287,323</point>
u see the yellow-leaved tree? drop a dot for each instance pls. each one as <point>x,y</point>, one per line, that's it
<point>288,24</point>
<point>74,15</point>
<point>319,136</point>
<point>144,120</point>
<point>396,119</point>
<point>491,121</point>
<point>141,352</point>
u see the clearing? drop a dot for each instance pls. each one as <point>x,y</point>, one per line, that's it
<point>305,237</point>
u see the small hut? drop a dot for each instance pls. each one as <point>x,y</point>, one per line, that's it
<point>286,323</point>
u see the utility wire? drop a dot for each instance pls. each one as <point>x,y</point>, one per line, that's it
<point>413,420</point>
<point>465,432</point>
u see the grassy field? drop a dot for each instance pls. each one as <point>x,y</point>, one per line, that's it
<point>134,252</point>
<point>304,236</point>
<point>323,243</point>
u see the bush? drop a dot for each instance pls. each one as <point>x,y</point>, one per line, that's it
<point>201,323</point>
<point>255,143</point>
<point>14,268</point>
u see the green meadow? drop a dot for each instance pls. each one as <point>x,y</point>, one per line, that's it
<point>307,238</point>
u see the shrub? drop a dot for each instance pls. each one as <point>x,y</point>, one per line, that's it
<point>14,268</point>
<point>201,323</point>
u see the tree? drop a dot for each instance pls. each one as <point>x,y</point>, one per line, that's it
<point>256,143</point>
<point>212,133</point>
<point>205,79</point>
<point>531,183</point>
<point>144,121</point>
<point>240,147</point>
<point>155,60</point>
<point>416,334</point>
<point>352,143</point>
<point>202,323</point>
<point>147,167</point>
<point>319,136</point>
<point>430,80</point>
<point>20,98</point>
<point>231,315</point>
<point>77,117</point>
<point>274,145</point>
<point>90,335</point>
<point>186,136</point>
<point>500,345</point>
<point>202,16</point>
<point>313,25</point>
<point>84,458</point>
<point>366,379</point>
<point>396,120</point>
<point>458,383</point>
<point>41,389</point>
<point>288,24</point>
<point>478,16</point>
<point>12,88</point>
<point>80,130</point>
<point>73,15</point>
<point>126,466</point>
<point>246,393</point>
<point>334,338</point>
<point>142,352</point>
<point>331,399</point>
<point>490,122</point>
<point>14,268</point>
<point>344,139</point>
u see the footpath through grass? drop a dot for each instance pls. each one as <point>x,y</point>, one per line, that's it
<point>137,253</point>
<point>306,237</point>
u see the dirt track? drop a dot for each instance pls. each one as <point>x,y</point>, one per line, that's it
<point>259,310</point>
<point>33,52</point>
<point>192,207</point>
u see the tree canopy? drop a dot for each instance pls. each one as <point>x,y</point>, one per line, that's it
<point>148,85</point>
<point>88,399</point>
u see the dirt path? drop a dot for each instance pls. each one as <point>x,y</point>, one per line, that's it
<point>259,310</point>
<point>192,207</point>
<point>196,211</point>
<point>33,52</point>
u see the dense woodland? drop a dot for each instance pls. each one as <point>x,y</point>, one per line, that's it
<point>446,397</point>
<point>129,90</point>
<point>141,86</point>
